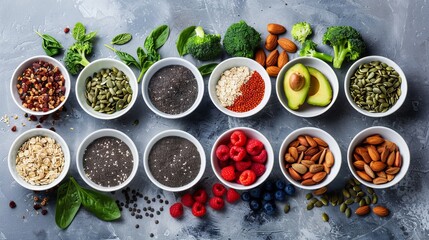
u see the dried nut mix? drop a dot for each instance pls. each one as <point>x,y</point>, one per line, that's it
<point>308,160</point>
<point>108,91</point>
<point>377,160</point>
<point>41,87</point>
<point>40,160</point>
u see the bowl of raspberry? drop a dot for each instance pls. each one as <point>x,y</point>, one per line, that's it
<point>242,158</point>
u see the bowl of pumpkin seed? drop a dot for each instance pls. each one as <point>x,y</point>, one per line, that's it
<point>375,86</point>
<point>106,88</point>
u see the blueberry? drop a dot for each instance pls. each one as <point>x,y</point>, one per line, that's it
<point>269,186</point>
<point>255,193</point>
<point>268,196</point>
<point>245,196</point>
<point>280,195</point>
<point>269,208</point>
<point>255,205</point>
<point>280,184</point>
<point>290,189</point>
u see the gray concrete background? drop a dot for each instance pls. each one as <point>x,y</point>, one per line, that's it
<point>394,29</point>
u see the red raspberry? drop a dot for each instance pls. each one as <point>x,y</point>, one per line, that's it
<point>243,165</point>
<point>216,203</point>
<point>223,164</point>
<point>187,200</point>
<point>222,152</point>
<point>258,169</point>
<point>247,177</point>
<point>218,190</point>
<point>237,177</point>
<point>228,173</point>
<point>198,209</point>
<point>237,153</point>
<point>238,138</point>
<point>176,210</point>
<point>201,196</point>
<point>254,147</point>
<point>261,158</point>
<point>232,196</point>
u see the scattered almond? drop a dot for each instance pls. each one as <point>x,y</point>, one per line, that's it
<point>272,58</point>
<point>287,45</point>
<point>275,28</point>
<point>271,42</point>
<point>381,211</point>
<point>294,174</point>
<point>260,56</point>
<point>273,71</point>
<point>363,210</point>
<point>320,191</point>
<point>283,59</point>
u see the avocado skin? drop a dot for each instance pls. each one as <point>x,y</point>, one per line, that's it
<point>296,98</point>
<point>321,96</point>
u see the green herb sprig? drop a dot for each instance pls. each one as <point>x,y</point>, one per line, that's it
<point>51,46</point>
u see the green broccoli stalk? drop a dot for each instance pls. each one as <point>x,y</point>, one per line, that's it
<point>204,46</point>
<point>75,58</point>
<point>300,31</point>
<point>346,42</point>
<point>241,40</point>
<point>309,50</point>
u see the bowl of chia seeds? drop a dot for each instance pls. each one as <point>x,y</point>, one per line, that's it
<point>106,89</point>
<point>375,86</point>
<point>174,160</point>
<point>173,88</point>
<point>107,160</point>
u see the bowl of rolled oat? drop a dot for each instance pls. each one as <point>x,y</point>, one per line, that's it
<point>239,87</point>
<point>39,159</point>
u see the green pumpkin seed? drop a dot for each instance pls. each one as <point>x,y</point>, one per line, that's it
<point>348,212</point>
<point>318,204</point>
<point>308,196</point>
<point>346,194</point>
<point>286,208</point>
<point>362,203</point>
<point>325,217</point>
<point>343,207</point>
<point>310,206</point>
<point>349,201</point>
<point>374,198</point>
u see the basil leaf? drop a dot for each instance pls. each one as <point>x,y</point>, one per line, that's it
<point>141,55</point>
<point>121,39</point>
<point>78,31</point>
<point>88,36</point>
<point>207,69</point>
<point>149,44</point>
<point>183,38</point>
<point>125,57</point>
<point>51,46</point>
<point>145,66</point>
<point>157,38</point>
<point>67,205</point>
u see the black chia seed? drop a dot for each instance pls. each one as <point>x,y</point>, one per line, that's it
<point>108,161</point>
<point>174,161</point>
<point>173,89</point>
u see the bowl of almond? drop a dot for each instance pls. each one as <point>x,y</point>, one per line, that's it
<point>378,157</point>
<point>310,158</point>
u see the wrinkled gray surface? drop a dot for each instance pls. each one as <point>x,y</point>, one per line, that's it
<point>395,29</point>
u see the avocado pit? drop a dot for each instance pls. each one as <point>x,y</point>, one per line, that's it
<point>296,81</point>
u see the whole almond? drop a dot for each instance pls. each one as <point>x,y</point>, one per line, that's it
<point>392,170</point>
<point>299,168</point>
<point>287,45</point>
<point>326,168</point>
<point>301,156</point>
<point>398,159</point>
<point>381,211</point>
<point>384,154</point>
<point>360,150</point>
<point>359,164</point>
<point>364,176</point>
<point>289,158</point>
<point>311,151</point>
<point>272,58</point>
<point>260,56</point>
<point>307,163</point>
<point>307,158</point>
<point>316,156</point>
<point>391,159</point>
<point>377,166</point>
<point>307,175</point>
<point>381,174</point>
<point>320,191</point>
<point>275,28</point>
<point>308,182</point>
<point>357,157</point>
<point>374,140</point>
<point>322,156</point>
<point>329,159</point>
<point>315,168</point>
<point>379,180</point>
<point>391,146</point>
<point>320,142</point>
<point>368,171</point>
<point>363,210</point>
<point>303,141</point>
<point>294,174</point>
<point>390,177</point>
<point>271,42</point>
<point>283,59</point>
<point>301,148</point>
<point>294,144</point>
<point>293,152</point>
<point>366,157</point>
<point>273,71</point>
<point>311,141</point>
<point>373,154</point>
<point>318,177</point>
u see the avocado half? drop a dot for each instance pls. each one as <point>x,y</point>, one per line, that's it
<point>320,93</point>
<point>296,98</point>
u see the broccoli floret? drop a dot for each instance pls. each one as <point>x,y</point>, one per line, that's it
<point>309,50</point>
<point>300,31</point>
<point>241,40</point>
<point>75,58</point>
<point>346,42</point>
<point>204,46</point>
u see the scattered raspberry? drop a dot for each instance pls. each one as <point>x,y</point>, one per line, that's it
<point>13,129</point>
<point>237,153</point>
<point>258,169</point>
<point>12,204</point>
<point>238,138</point>
<point>222,152</point>
<point>216,203</point>
<point>261,158</point>
<point>66,30</point>
<point>232,196</point>
<point>247,177</point>
<point>243,165</point>
<point>201,196</point>
<point>218,190</point>
<point>176,210</point>
<point>198,209</point>
<point>254,147</point>
<point>228,173</point>
<point>187,200</point>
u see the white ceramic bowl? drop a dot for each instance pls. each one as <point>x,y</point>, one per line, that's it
<point>333,147</point>
<point>106,133</point>
<point>23,138</point>
<point>250,133</point>
<point>24,65</point>
<point>174,133</point>
<point>238,62</point>
<point>390,135</point>
<point>168,62</point>
<point>307,110</point>
<point>94,67</point>
<point>352,70</point>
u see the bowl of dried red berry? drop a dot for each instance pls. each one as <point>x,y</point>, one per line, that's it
<point>242,158</point>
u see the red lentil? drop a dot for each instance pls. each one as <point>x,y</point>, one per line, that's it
<point>252,93</point>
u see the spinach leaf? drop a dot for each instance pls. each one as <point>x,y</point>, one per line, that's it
<point>207,69</point>
<point>79,31</point>
<point>149,44</point>
<point>183,38</point>
<point>121,39</point>
<point>146,65</point>
<point>51,46</point>
<point>67,205</point>
<point>141,55</point>
<point>158,36</point>
<point>125,57</point>
<point>88,36</point>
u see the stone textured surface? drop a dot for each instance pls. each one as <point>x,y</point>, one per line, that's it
<point>395,29</point>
